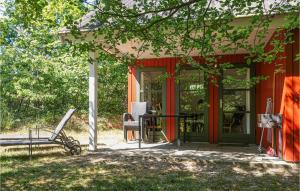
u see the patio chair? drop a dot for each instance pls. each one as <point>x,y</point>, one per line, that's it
<point>58,136</point>
<point>131,120</point>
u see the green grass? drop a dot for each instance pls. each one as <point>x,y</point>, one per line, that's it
<point>53,169</point>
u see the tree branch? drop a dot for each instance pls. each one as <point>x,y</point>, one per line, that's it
<point>177,7</point>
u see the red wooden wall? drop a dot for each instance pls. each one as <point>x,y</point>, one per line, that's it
<point>284,89</point>
<point>286,94</point>
<point>170,64</point>
<point>291,96</point>
<point>131,95</point>
<point>296,96</point>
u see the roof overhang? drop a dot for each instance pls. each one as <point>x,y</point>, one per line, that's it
<point>277,21</point>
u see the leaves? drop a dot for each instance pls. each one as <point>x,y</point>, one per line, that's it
<point>183,29</point>
<point>42,77</point>
<point>37,70</point>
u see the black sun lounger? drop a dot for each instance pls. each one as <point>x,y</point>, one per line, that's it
<point>58,136</point>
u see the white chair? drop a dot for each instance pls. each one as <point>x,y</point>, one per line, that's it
<point>131,120</point>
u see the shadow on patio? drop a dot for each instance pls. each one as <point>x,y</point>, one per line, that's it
<point>157,167</point>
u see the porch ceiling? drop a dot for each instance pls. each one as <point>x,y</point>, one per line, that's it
<point>131,46</point>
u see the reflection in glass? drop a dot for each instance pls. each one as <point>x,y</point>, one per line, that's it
<point>151,90</point>
<point>192,102</point>
<point>236,101</point>
<point>192,92</point>
<point>236,78</point>
<point>237,122</point>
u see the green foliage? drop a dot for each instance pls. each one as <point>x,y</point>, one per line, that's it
<point>176,28</point>
<point>112,86</point>
<point>199,27</point>
<point>41,78</point>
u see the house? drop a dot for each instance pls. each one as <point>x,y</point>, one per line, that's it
<point>174,98</point>
<point>227,113</point>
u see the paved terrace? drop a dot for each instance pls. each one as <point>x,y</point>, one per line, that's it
<point>195,151</point>
<point>113,144</point>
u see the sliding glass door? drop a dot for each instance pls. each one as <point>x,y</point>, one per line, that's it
<point>152,89</point>
<point>193,101</point>
<point>236,111</point>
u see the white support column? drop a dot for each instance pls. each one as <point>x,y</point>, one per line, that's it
<point>93,103</point>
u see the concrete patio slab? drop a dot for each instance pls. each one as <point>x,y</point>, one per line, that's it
<point>113,144</point>
<point>195,151</point>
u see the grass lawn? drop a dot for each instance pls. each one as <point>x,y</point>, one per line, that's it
<point>53,169</point>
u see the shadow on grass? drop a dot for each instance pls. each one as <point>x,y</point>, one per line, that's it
<point>113,171</point>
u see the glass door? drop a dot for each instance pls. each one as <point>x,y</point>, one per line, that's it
<point>193,101</point>
<point>152,89</point>
<point>236,110</point>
